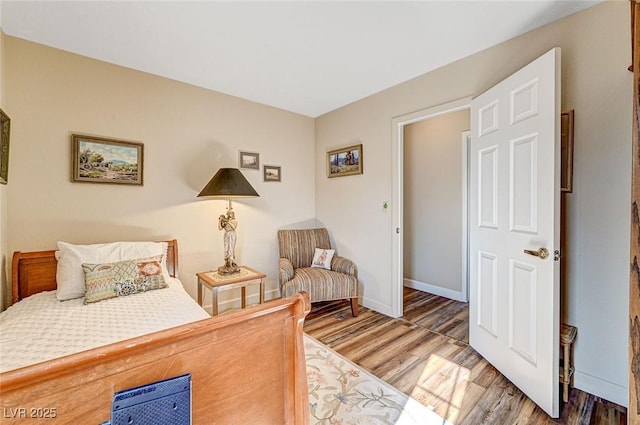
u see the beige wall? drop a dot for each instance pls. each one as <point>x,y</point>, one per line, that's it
<point>596,83</point>
<point>433,203</point>
<point>188,133</point>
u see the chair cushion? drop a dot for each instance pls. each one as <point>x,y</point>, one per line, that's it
<point>321,284</point>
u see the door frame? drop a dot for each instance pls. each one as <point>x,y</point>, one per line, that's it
<point>466,146</point>
<point>397,193</point>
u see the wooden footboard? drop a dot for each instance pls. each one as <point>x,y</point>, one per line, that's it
<point>247,367</point>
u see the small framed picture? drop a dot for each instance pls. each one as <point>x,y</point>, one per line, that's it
<point>249,160</point>
<point>344,161</point>
<point>5,127</point>
<point>102,160</point>
<point>272,173</point>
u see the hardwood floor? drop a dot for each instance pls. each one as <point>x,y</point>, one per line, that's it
<point>426,355</point>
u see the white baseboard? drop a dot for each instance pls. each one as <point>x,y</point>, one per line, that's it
<point>434,289</point>
<point>376,306</point>
<point>601,388</point>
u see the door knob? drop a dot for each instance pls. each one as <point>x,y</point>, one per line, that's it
<point>543,253</point>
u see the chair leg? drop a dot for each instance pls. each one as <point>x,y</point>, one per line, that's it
<point>354,306</point>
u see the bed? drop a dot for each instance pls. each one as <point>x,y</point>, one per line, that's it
<point>247,366</point>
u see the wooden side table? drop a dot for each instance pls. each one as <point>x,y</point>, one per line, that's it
<point>567,338</point>
<point>216,282</point>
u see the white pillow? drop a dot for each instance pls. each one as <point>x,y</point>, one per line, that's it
<point>69,275</point>
<point>322,258</point>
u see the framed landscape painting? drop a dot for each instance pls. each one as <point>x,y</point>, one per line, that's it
<point>345,161</point>
<point>102,160</point>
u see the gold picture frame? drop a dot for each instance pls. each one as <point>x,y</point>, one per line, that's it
<point>5,123</point>
<point>104,160</point>
<point>566,151</point>
<point>344,161</point>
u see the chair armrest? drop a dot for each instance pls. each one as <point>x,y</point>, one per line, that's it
<point>343,265</point>
<point>286,270</point>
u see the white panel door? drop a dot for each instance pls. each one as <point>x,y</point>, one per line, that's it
<point>514,206</point>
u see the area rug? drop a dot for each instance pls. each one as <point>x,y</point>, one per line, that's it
<point>342,393</point>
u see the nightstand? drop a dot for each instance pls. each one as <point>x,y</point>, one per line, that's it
<point>216,282</point>
<point>567,338</point>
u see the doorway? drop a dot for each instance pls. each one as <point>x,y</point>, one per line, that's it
<point>400,124</point>
<point>435,210</point>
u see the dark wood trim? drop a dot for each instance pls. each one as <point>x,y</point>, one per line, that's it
<point>634,275</point>
<point>633,25</point>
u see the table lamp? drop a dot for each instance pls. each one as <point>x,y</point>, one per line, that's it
<point>228,183</point>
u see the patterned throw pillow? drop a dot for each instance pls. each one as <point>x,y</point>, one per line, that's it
<point>322,258</point>
<point>110,280</point>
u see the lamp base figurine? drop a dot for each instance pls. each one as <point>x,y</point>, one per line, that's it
<point>229,223</point>
<point>228,269</point>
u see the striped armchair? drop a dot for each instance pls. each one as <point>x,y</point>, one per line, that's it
<point>296,274</point>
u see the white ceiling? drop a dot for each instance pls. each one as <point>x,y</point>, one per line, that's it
<point>308,57</point>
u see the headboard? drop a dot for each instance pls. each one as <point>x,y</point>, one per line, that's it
<point>33,272</point>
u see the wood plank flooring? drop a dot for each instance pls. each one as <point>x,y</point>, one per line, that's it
<point>426,355</point>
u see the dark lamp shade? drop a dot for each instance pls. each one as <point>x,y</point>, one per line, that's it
<point>228,183</point>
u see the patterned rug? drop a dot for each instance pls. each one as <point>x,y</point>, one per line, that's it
<point>342,393</point>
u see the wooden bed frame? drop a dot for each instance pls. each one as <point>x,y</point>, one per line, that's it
<point>247,366</point>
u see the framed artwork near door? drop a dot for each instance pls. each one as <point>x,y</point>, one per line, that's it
<point>566,151</point>
<point>344,161</point>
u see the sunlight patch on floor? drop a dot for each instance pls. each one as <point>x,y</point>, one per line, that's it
<point>442,387</point>
<point>413,409</point>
